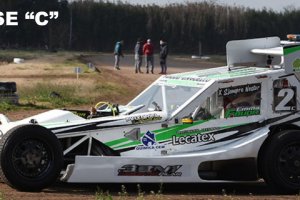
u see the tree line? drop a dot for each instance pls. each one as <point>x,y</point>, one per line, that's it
<point>97,25</point>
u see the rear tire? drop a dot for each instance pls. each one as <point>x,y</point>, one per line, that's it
<point>31,158</point>
<point>281,162</point>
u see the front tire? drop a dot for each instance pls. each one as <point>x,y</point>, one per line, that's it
<point>31,158</point>
<point>281,162</point>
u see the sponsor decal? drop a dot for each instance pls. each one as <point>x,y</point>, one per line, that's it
<point>149,142</point>
<point>149,170</point>
<point>242,111</point>
<point>241,101</point>
<point>148,139</point>
<point>296,65</point>
<point>196,131</point>
<point>251,88</point>
<point>196,79</point>
<point>191,139</point>
<point>83,114</point>
<point>143,118</point>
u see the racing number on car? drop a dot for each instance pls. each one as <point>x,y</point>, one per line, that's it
<point>285,99</point>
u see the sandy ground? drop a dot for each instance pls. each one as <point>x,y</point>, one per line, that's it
<point>187,191</point>
<point>126,75</point>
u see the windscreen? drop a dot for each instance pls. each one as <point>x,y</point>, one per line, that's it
<point>153,98</point>
<point>178,95</point>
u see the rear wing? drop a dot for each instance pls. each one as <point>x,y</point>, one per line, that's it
<point>263,52</point>
<point>239,52</point>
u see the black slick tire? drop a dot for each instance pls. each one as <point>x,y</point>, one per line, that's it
<point>281,162</point>
<point>31,158</point>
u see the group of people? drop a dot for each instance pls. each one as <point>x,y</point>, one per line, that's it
<point>146,50</point>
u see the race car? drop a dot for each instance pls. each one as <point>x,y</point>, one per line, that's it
<point>234,123</point>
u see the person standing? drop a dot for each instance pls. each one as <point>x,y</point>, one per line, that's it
<point>148,52</point>
<point>138,56</point>
<point>163,56</point>
<point>118,51</point>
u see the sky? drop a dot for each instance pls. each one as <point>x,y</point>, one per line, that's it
<point>276,5</point>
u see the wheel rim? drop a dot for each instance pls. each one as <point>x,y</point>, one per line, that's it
<point>31,158</point>
<point>289,164</point>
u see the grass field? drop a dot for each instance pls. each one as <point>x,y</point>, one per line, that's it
<point>43,73</point>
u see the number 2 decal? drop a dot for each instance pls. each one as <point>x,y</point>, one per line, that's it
<point>285,99</point>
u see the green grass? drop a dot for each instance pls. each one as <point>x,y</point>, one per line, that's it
<point>1,196</point>
<point>100,195</point>
<point>123,195</point>
<point>109,91</point>
<point>74,61</point>
<point>41,95</point>
<point>140,194</point>
<point>7,106</point>
<point>109,88</point>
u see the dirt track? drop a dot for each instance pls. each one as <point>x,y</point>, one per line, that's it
<point>170,191</point>
<point>189,191</point>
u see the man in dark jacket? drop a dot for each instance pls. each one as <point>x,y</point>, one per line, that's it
<point>138,56</point>
<point>163,56</point>
<point>118,51</point>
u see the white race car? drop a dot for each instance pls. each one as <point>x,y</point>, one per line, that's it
<point>234,123</point>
